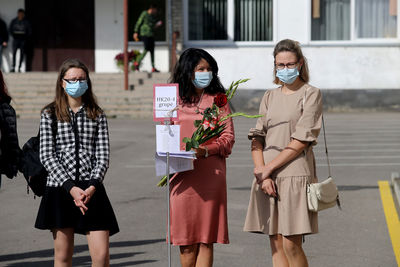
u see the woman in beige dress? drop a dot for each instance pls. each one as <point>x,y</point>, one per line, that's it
<point>281,145</point>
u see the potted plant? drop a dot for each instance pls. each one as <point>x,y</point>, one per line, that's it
<point>132,56</point>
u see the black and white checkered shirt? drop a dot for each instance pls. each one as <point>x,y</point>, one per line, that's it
<point>59,158</point>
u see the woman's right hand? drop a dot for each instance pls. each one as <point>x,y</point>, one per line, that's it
<point>268,186</point>
<point>79,197</point>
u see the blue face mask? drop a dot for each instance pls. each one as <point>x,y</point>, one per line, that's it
<point>202,79</point>
<point>76,89</point>
<point>287,76</point>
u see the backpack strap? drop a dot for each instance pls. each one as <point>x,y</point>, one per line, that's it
<point>54,123</point>
<point>76,134</point>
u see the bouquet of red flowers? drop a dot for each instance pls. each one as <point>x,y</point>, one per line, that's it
<point>212,124</point>
<point>132,56</point>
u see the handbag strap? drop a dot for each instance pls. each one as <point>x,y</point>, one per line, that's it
<point>326,147</point>
<point>324,132</point>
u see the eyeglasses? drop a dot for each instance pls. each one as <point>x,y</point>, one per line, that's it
<point>290,65</point>
<point>72,81</point>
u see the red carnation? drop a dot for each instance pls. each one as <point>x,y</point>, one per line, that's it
<point>220,100</point>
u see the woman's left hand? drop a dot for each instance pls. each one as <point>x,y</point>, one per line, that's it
<point>268,186</point>
<point>89,193</point>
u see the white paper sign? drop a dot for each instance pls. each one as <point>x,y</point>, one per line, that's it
<point>176,163</point>
<point>165,99</point>
<point>181,154</point>
<point>168,138</point>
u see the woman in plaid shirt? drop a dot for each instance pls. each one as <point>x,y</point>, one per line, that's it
<point>76,157</point>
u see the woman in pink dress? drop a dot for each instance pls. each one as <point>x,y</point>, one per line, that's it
<point>198,197</point>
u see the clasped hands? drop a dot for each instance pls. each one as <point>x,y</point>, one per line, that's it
<point>262,174</point>
<point>81,197</point>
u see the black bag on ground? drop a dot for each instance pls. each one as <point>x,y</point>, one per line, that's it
<point>34,171</point>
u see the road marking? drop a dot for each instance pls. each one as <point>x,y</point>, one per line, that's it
<point>392,219</point>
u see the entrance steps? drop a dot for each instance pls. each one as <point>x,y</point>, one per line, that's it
<point>33,90</point>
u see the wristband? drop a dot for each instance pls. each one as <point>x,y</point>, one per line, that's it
<point>206,154</point>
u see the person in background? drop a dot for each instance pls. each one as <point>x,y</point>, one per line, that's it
<point>21,30</point>
<point>77,159</point>
<point>144,30</point>
<point>11,153</point>
<point>199,197</point>
<point>3,39</point>
<point>282,150</point>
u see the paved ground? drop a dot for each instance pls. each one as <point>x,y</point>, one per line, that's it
<point>364,148</point>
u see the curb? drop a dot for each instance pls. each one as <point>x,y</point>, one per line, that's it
<point>396,186</point>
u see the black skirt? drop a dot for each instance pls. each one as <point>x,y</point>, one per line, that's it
<point>57,210</point>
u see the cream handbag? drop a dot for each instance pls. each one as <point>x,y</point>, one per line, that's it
<point>323,195</point>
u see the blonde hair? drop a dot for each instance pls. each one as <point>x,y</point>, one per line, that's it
<point>288,45</point>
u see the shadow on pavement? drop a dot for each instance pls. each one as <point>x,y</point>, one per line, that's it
<point>243,188</point>
<point>26,259</point>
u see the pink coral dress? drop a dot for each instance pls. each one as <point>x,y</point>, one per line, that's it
<point>198,197</point>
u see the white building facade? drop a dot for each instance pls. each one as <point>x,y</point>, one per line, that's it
<point>345,49</point>
<point>349,44</point>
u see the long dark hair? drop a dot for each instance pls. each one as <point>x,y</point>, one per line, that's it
<point>60,103</point>
<point>4,96</point>
<point>294,47</point>
<point>184,70</point>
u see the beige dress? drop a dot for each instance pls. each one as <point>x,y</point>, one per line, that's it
<point>296,116</point>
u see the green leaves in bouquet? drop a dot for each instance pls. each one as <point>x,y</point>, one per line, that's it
<point>230,93</point>
<point>188,142</point>
<point>163,181</point>
<point>195,144</point>
<point>237,114</point>
<point>196,124</point>
<point>216,132</point>
<point>191,143</point>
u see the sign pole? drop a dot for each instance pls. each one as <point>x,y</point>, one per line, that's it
<point>165,96</point>
<point>167,122</point>
<point>126,82</point>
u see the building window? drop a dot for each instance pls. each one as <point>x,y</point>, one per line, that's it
<point>209,20</point>
<point>376,18</point>
<point>253,20</point>
<point>331,19</point>
<point>135,8</point>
